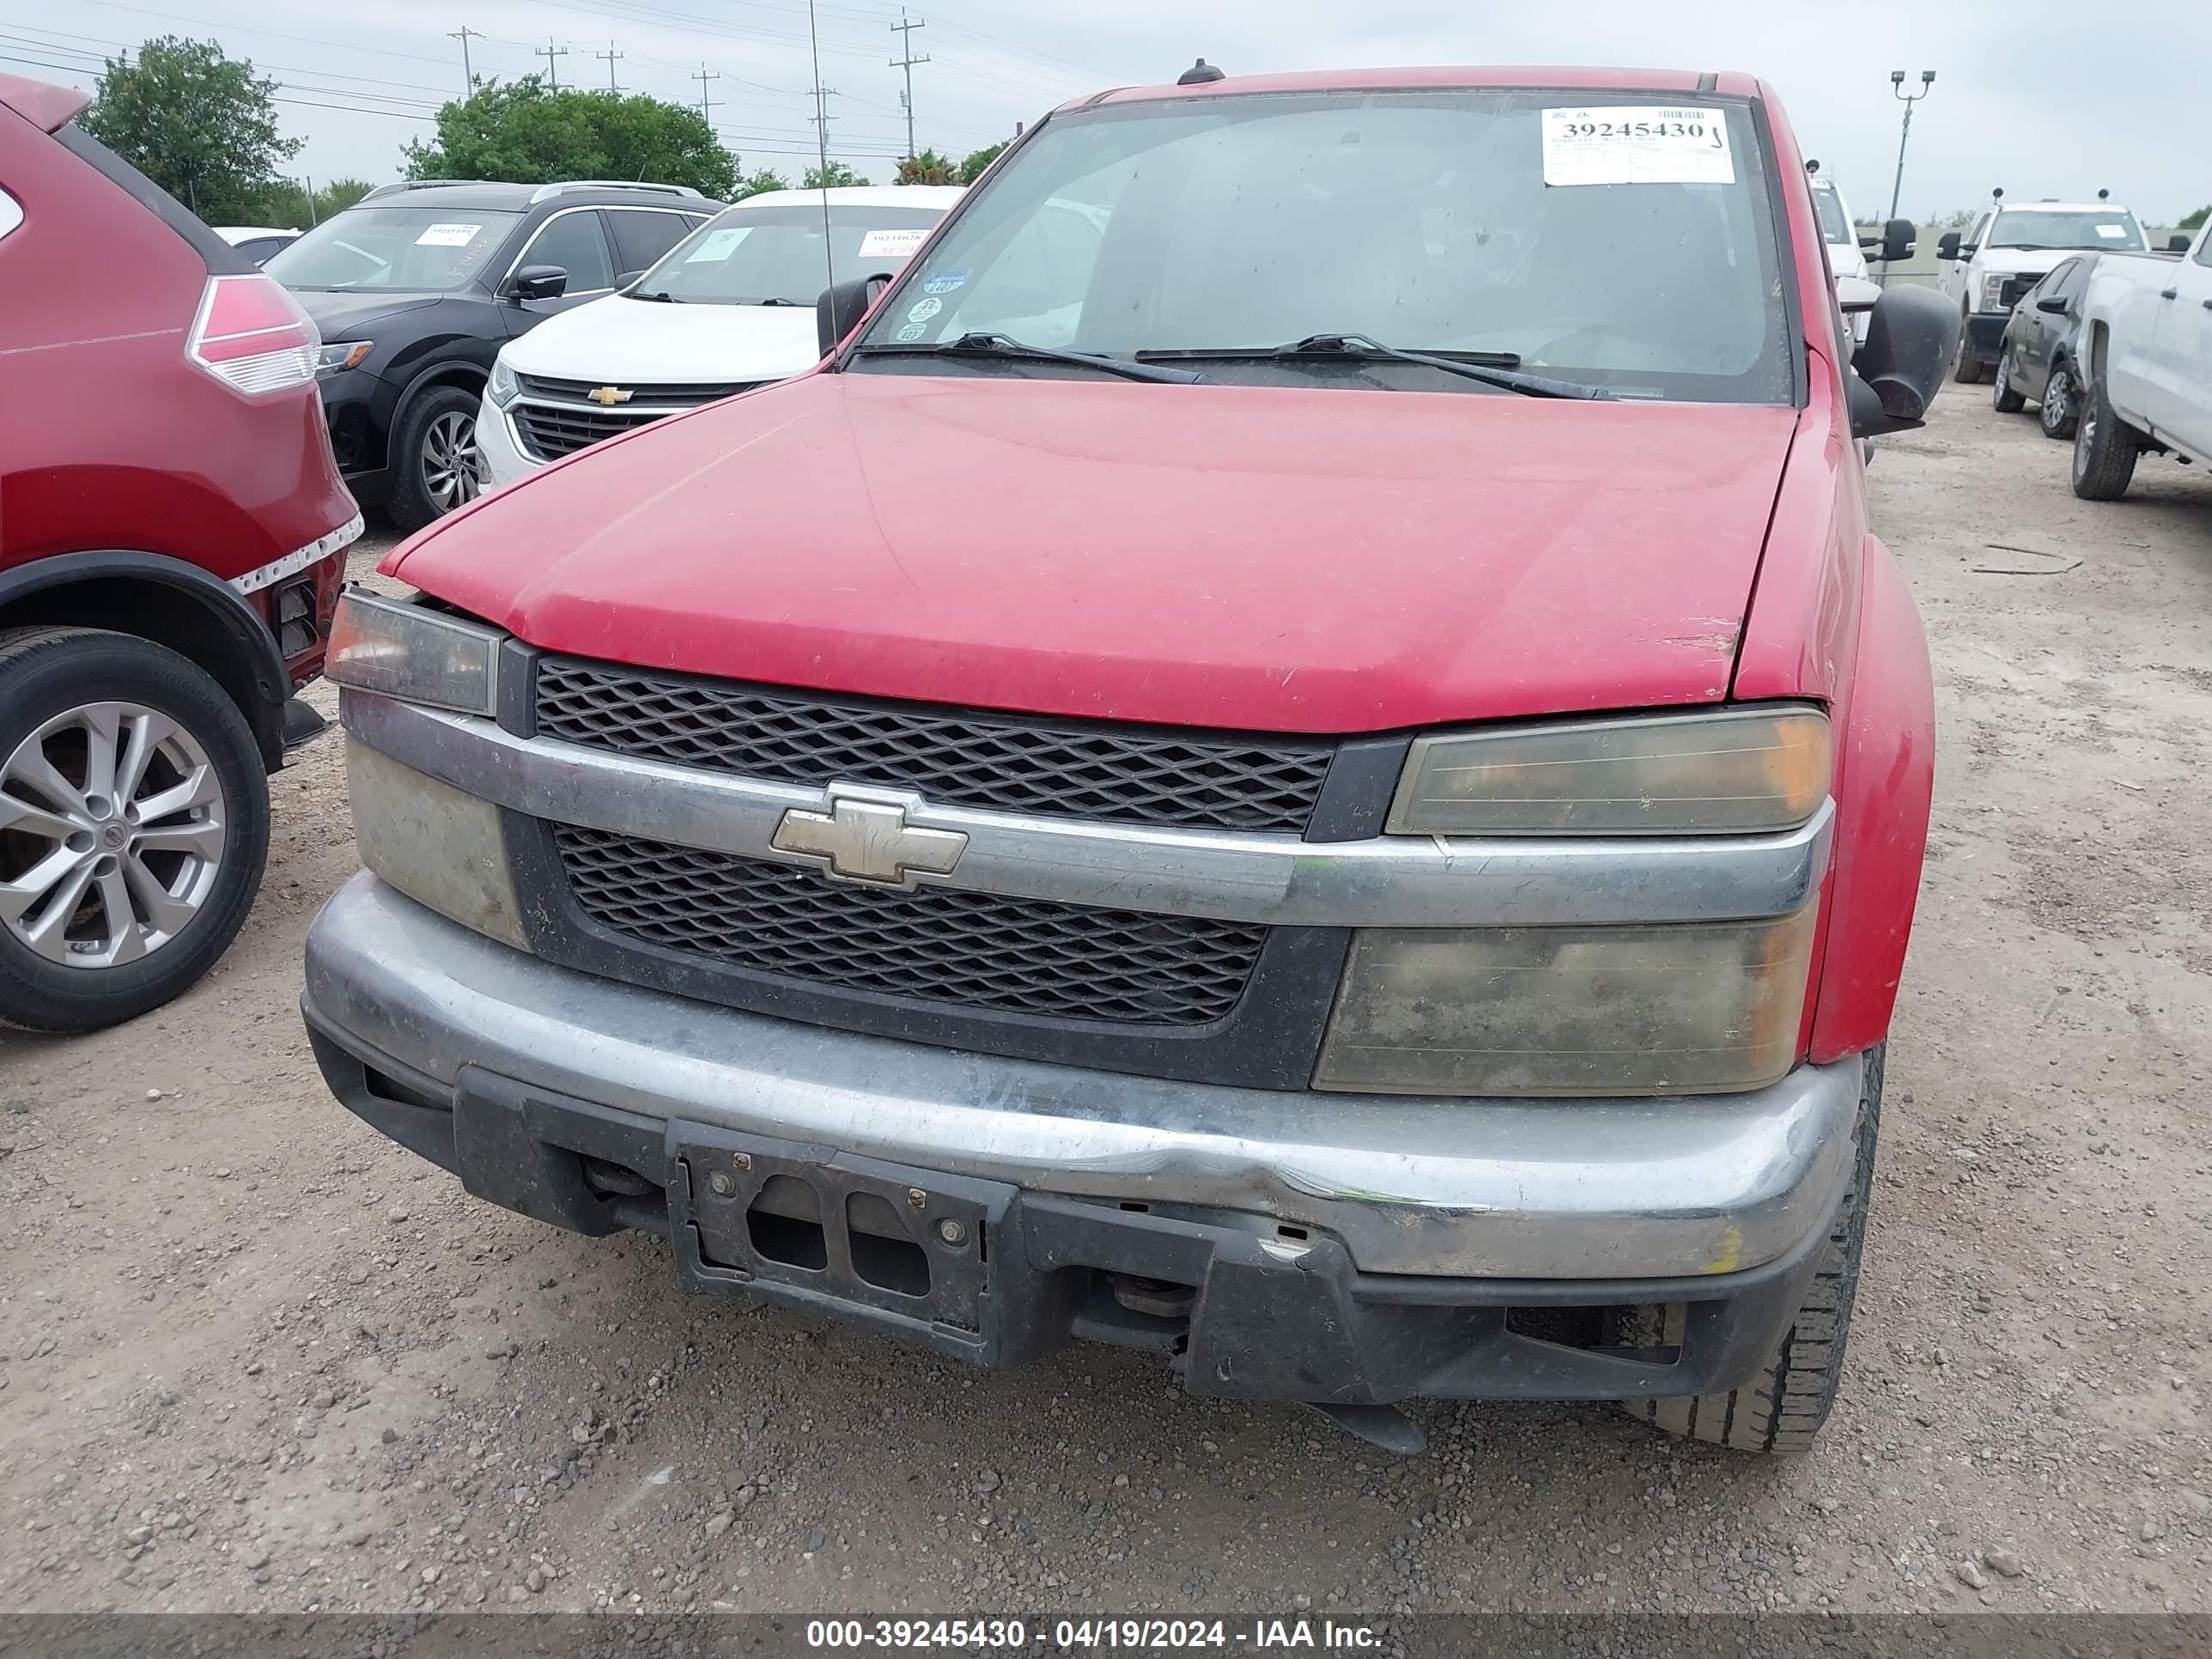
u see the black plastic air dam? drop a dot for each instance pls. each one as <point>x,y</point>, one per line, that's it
<point>1011,1275</point>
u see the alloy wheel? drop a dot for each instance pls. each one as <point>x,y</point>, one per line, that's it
<point>2057,400</point>
<point>453,466</point>
<point>112,834</point>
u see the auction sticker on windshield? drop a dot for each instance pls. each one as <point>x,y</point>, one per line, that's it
<point>1637,145</point>
<point>718,244</point>
<point>890,244</point>
<point>447,235</point>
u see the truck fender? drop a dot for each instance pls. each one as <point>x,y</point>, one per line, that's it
<point>1886,752</point>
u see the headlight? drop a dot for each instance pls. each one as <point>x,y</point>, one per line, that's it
<point>503,387</point>
<point>1993,290</point>
<point>336,359</point>
<point>412,652</point>
<point>1704,1008</point>
<point>1736,772</point>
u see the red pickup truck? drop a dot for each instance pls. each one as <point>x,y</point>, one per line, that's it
<point>1296,754</point>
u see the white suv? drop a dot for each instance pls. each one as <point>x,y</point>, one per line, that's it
<point>2009,249</point>
<point>729,308</point>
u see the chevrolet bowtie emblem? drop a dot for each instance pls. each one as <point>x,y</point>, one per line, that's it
<point>859,840</point>
<point>608,396</point>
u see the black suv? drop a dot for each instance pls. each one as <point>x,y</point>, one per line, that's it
<point>415,288</point>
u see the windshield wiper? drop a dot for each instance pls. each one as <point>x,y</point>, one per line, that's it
<point>777,299</point>
<point>1497,369</point>
<point>661,294</point>
<point>986,344</point>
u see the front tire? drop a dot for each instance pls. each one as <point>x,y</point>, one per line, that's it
<point>2002,398</point>
<point>1965,368</point>
<point>2105,447</point>
<point>436,465</point>
<point>134,824</point>
<point>1782,1410</point>
<point>2056,417</point>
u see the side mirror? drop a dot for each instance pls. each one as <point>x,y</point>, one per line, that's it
<point>1947,245</point>
<point>840,307</point>
<point>1911,336</point>
<point>537,282</point>
<point>2053,303</point>
<point>1899,238</point>
<point>628,277</point>
<point>2177,243</point>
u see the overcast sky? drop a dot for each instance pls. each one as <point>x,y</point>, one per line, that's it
<point>2044,97</point>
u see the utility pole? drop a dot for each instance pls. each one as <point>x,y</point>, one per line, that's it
<point>821,118</point>
<point>610,54</point>
<point>1897,90</point>
<point>313,219</point>
<point>906,60</point>
<point>706,108</point>
<point>550,52</point>
<point>468,75</point>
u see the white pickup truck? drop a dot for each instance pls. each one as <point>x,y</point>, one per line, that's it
<point>2146,359</point>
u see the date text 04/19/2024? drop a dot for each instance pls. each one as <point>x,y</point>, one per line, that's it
<point>1089,1635</point>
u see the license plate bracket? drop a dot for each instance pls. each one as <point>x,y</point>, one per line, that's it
<point>916,1251</point>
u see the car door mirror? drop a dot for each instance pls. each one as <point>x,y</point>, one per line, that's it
<point>628,278</point>
<point>2177,243</point>
<point>1912,334</point>
<point>840,307</point>
<point>537,282</point>
<point>2053,303</point>
<point>1947,245</point>
<point>1899,238</point>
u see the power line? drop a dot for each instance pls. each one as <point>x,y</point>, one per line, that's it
<point>906,60</point>
<point>551,53</point>
<point>702,76</point>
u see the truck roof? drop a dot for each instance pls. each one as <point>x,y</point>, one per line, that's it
<point>1682,83</point>
<point>2064,207</point>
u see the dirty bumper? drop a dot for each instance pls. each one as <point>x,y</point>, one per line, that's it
<point>1271,1244</point>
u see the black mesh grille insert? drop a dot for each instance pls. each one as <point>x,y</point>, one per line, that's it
<point>935,945</point>
<point>1132,774</point>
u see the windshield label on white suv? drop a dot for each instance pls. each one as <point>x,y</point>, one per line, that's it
<point>1637,145</point>
<point>890,244</point>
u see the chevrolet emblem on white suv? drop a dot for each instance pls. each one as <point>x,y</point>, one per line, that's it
<point>608,396</point>
<point>862,840</point>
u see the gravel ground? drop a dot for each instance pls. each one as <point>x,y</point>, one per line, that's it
<point>254,1357</point>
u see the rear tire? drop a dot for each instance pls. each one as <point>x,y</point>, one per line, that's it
<point>435,464</point>
<point>2002,398</point>
<point>2105,447</point>
<point>2056,417</point>
<point>1783,1408</point>
<point>181,876</point>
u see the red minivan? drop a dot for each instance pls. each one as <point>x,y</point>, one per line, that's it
<point>172,535</point>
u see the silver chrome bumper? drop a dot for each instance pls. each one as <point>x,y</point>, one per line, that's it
<point>1540,1188</point>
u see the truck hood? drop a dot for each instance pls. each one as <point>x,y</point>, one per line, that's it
<point>619,339</point>
<point>2025,261</point>
<point>1294,560</point>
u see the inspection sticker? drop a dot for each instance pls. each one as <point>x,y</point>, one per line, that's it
<point>1637,145</point>
<point>890,244</point>
<point>909,333</point>
<point>945,282</point>
<point>447,235</point>
<point>717,244</point>
<point>922,310</point>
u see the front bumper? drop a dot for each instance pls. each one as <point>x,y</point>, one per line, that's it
<point>1328,1247</point>
<point>1985,334</point>
<point>504,459</point>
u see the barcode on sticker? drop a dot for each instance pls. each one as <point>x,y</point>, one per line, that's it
<point>447,235</point>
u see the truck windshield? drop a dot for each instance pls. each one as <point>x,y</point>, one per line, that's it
<point>774,255</point>
<point>1835,224</point>
<point>421,249</point>
<point>1603,239</point>
<point>2040,228</point>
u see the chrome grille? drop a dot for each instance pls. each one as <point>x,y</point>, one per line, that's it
<point>1130,775</point>
<point>935,945</point>
<point>676,394</point>
<point>550,430</point>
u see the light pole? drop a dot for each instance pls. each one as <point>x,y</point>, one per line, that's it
<point>1897,90</point>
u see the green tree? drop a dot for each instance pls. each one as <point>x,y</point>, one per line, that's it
<point>524,133</point>
<point>197,122</point>
<point>928,168</point>
<point>286,202</point>
<point>758,184</point>
<point>2195,221</point>
<point>834,176</point>
<point>972,168</point>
